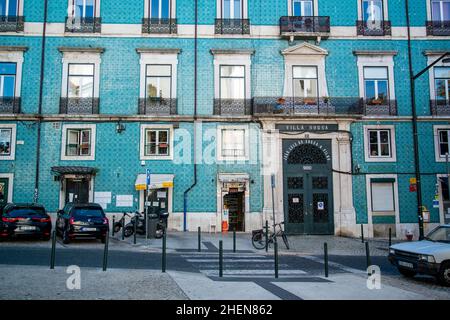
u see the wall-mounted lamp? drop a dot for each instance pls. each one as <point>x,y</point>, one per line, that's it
<point>120,127</point>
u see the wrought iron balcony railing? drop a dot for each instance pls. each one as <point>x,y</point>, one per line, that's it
<point>440,107</point>
<point>305,26</point>
<point>380,107</point>
<point>10,104</point>
<point>438,28</point>
<point>79,105</point>
<point>232,26</point>
<point>83,25</point>
<point>232,107</point>
<point>12,23</point>
<point>376,28</point>
<point>302,106</point>
<point>158,106</point>
<point>155,25</point>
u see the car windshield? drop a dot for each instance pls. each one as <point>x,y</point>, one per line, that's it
<point>91,212</point>
<point>440,234</point>
<point>25,212</point>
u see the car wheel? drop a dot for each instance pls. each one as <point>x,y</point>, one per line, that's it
<point>46,238</point>
<point>65,237</point>
<point>407,273</point>
<point>444,274</point>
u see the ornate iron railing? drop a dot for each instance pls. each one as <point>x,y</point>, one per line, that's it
<point>440,107</point>
<point>377,28</point>
<point>155,25</point>
<point>380,107</point>
<point>12,23</point>
<point>10,104</point>
<point>157,106</point>
<point>83,25</point>
<point>302,106</point>
<point>438,28</point>
<point>232,107</point>
<point>305,25</point>
<point>232,26</point>
<point>79,105</point>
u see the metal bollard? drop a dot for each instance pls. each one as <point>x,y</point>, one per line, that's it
<point>123,229</point>
<point>325,258</point>
<point>234,240</point>
<point>220,258</point>
<point>275,247</point>
<point>390,237</point>
<point>113,223</point>
<point>105,252</point>
<point>368,262</point>
<point>53,253</point>
<point>267,235</point>
<point>135,228</point>
<point>362,233</point>
<point>199,239</point>
<point>164,254</point>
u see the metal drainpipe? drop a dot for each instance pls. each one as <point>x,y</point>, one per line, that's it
<point>39,117</point>
<point>195,121</point>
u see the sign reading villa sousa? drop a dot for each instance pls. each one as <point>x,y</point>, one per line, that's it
<point>307,127</point>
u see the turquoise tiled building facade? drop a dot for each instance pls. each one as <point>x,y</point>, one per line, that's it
<point>97,97</point>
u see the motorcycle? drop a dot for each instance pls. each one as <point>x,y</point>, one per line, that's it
<point>140,227</point>
<point>120,223</point>
<point>161,227</point>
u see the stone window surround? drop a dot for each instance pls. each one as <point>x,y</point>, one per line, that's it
<point>431,57</point>
<point>173,11</point>
<point>96,13</point>
<point>14,55</point>
<point>10,177</point>
<point>232,57</point>
<point>376,59</point>
<point>158,56</point>
<point>145,127</point>
<point>219,4</point>
<point>315,7</point>
<point>65,128</point>
<point>436,128</point>
<point>80,56</point>
<point>13,128</point>
<point>219,155</point>
<point>367,157</point>
<point>385,10</point>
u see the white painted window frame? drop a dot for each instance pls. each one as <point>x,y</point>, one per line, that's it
<point>81,58</point>
<point>67,127</point>
<point>436,130</point>
<point>244,13</point>
<point>17,58</point>
<point>367,156</point>
<point>70,10</point>
<point>220,156</point>
<point>315,8</point>
<point>144,128</point>
<point>432,57</point>
<point>13,127</point>
<point>385,10</point>
<point>10,177</point>
<point>147,9</point>
<point>235,60</point>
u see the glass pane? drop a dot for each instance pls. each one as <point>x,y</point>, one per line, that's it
<point>446,11</point>
<point>384,136</point>
<point>442,72</point>
<point>305,88</point>
<point>158,70</point>
<point>227,9</point>
<point>441,88</point>
<point>81,69</point>
<point>370,89</point>
<point>72,137</point>
<point>80,87</point>
<point>443,148</point>
<point>8,84</point>
<point>237,9</point>
<point>7,68</point>
<point>5,141</point>
<point>232,71</point>
<point>443,136</point>
<point>382,90</point>
<point>297,8</point>
<point>307,8</point>
<point>436,10</point>
<point>154,9</point>
<point>385,149</point>
<point>151,136</point>
<point>12,10</point>
<point>373,136</point>
<point>232,88</point>
<point>372,10</point>
<point>163,137</point>
<point>305,72</point>
<point>85,136</point>
<point>89,9</point>
<point>374,149</point>
<point>165,9</point>
<point>158,87</point>
<point>233,142</point>
<point>375,73</point>
<point>382,197</point>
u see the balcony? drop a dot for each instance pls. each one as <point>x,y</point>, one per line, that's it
<point>376,28</point>
<point>83,25</point>
<point>10,105</point>
<point>232,26</point>
<point>438,28</point>
<point>346,106</point>
<point>380,107</point>
<point>232,107</point>
<point>440,107</point>
<point>161,26</point>
<point>305,27</point>
<point>157,106</point>
<point>12,24</point>
<point>79,105</point>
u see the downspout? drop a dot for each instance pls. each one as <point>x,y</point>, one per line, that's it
<point>195,121</point>
<point>39,117</point>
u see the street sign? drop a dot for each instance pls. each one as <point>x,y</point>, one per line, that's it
<point>320,205</point>
<point>148,177</point>
<point>435,203</point>
<point>412,180</point>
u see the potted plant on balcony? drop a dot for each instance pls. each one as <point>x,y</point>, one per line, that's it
<point>310,101</point>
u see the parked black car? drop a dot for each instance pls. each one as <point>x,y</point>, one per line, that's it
<point>24,220</point>
<point>82,221</point>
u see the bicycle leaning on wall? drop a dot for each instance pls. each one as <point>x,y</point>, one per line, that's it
<point>259,237</point>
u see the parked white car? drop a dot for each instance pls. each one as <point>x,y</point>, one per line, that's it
<point>430,256</point>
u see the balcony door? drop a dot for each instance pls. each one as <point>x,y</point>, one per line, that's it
<point>372,11</point>
<point>440,10</point>
<point>302,8</point>
<point>232,9</point>
<point>442,84</point>
<point>7,80</point>
<point>160,9</point>
<point>83,8</point>
<point>9,8</point>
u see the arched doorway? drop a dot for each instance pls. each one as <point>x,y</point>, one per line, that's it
<point>308,187</point>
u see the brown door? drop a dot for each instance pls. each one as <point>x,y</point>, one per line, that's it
<point>234,201</point>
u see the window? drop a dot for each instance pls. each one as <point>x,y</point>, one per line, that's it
<point>158,81</point>
<point>83,8</point>
<point>78,142</point>
<point>441,83</point>
<point>440,10</point>
<point>7,79</point>
<point>302,8</point>
<point>232,82</point>
<point>5,141</point>
<point>372,11</point>
<point>382,194</point>
<point>305,82</point>
<point>443,142</point>
<point>233,143</point>
<point>232,9</point>
<point>9,7</point>
<point>379,143</point>
<point>376,84</point>
<point>160,9</point>
<point>157,142</point>
<point>80,81</point>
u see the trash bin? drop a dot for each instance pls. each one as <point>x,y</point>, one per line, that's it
<point>152,223</point>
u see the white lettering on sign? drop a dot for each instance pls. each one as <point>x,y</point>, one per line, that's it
<point>315,143</point>
<point>295,200</point>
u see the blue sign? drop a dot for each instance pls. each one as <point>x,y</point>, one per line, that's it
<point>148,177</point>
